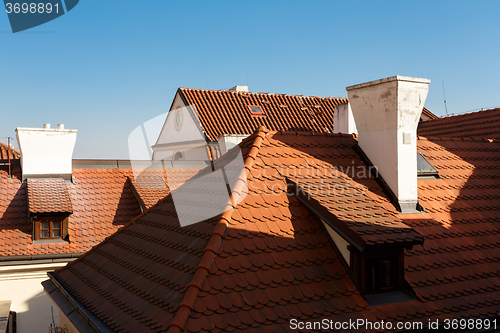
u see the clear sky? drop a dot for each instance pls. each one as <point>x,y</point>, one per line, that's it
<point>109,65</point>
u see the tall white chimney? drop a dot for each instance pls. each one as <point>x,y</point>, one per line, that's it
<point>387,112</point>
<point>46,152</point>
<point>343,120</point>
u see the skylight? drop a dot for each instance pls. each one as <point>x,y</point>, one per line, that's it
<point>256,110</point>
<point>425,168</point>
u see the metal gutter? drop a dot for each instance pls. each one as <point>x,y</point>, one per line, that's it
<point>77,313</point>
<point>34,259</point>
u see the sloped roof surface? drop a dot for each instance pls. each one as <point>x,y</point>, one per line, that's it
<point>226,111</point>
<point>428,114</point>
<point>5,151</point>
<point>482,124</point>
<point>48,196</point>
<point>151,184</point>
<point>457,269</point>
<point>101,200</point>
<point>254,267</point>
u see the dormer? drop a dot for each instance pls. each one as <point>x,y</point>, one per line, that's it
<point>46,163</point>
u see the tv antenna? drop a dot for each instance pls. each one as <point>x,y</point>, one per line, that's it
<point>444,96</point>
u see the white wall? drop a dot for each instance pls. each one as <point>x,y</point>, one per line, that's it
<point>46,151</point>
<point>340,242</point>
<point>228,141</point>
<point>169,134</point>
<point>343,120</point>
<point>21,284</point>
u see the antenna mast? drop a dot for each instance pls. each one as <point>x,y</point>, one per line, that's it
<point>444,96</point>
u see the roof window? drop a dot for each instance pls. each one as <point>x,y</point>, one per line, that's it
<point>256,110</point>
<point>425,169</point>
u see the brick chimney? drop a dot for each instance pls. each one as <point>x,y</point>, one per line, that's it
<point>387,112</point>
<point>46,152</point>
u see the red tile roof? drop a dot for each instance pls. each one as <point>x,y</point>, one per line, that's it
<point>268,260</point>
<point>456,270</point>
<point>151,184</point>
<point>429,115</point>
<point>226,111</point>
<point>48,196</point>
<point>482,124</point>
<point>101,199</point>
<point>5,151</point>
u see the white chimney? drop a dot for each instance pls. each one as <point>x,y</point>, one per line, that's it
<point>46,152</point>
<point>343,120</point>
<point>240,88</point>
<point>387,112</point>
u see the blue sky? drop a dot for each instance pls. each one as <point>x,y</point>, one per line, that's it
<point>108,66</point>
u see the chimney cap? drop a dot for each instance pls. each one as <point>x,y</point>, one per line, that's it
<point>389,79</point>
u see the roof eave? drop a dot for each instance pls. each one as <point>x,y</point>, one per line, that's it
<point>82,318</point>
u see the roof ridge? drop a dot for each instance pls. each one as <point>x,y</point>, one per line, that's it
<point>457,138</point>
<point>467,113</point>
<point>300,133</point>
<point>201,271</point>
<point>261,93</point>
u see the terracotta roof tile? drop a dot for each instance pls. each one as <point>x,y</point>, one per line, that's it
<point>274,261</point>
<point>482,124</point>
<point>100,199</point>
<point>7,152</point>
<point>48,196</point>
<point>226,112</point>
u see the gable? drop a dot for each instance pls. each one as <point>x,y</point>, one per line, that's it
<point>184,135</point>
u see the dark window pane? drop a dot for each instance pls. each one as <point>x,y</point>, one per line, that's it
<point>372,274</point>
<point>45,225</point>
<point>56,232</point>
<point>44,233</point>
<point>387,273</point>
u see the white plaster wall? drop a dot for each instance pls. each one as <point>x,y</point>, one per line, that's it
<point>340,242</point>
<point>46,151</point>
<point>384,111</point>
<point>191,153</point>
<point>22,286</point>
<point>228,141</point>
<point>344,120</point>
<point>65,322</point>
<point>188,132</point>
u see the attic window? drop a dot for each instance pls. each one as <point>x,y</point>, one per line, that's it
<point>50,226</point>
<point>425,169</point>
<point>178,156</point>
<point>256,110</point>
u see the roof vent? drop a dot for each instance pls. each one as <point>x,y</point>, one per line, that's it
<point>240,88</point>
<point>60,126</point>
<point>46,126</point>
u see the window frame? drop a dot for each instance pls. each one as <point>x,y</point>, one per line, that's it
<point>359,264</point>
<point>37,226</point>
<point>256,114</point>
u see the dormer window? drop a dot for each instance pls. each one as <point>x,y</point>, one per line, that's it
<point>50,226</point>
<point>49,206</point>
<point>256,110</point>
